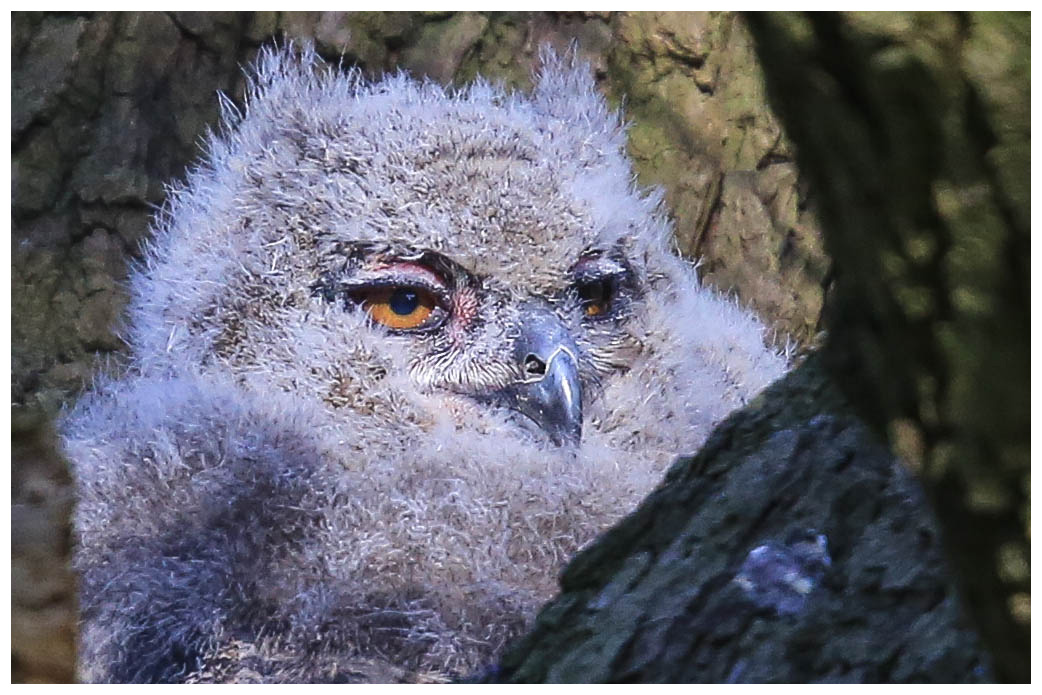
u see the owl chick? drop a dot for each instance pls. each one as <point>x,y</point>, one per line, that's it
<point>397,353</point>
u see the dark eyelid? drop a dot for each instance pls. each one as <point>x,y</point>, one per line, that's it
<point>411,269</point>
<point>370,267</point>
<point>391,277</point>
<point>598,270</point>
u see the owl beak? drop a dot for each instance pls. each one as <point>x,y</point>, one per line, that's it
<point>551,394</point>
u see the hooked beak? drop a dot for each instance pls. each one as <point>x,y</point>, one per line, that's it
<point>551,394</point>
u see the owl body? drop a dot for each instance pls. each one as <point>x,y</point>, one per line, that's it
<point>398,352</point>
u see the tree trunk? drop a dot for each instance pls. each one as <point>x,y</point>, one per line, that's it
<point>915,131</point>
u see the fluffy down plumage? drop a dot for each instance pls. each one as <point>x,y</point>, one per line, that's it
<point>281,489</point>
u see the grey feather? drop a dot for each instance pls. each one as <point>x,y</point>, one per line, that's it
<point>280,488</point>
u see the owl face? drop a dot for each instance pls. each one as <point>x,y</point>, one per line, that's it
<point>538,348</point>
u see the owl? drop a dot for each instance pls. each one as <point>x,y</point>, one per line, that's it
<point>397,352</point>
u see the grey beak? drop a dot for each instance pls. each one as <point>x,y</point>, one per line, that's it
<point>551,394</point>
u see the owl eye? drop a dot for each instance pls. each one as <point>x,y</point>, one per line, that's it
<point>596,297</point>
<point>400,308</point>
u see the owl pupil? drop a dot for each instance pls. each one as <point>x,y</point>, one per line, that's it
<point>593,292</point>
<point>596,297</point>
<point>404,301</point>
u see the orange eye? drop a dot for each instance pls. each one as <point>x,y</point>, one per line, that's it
<point>399,307</point>
<point>595,297</point>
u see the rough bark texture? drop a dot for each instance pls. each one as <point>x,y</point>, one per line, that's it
<point>915,131</point>
<point>792,548</point>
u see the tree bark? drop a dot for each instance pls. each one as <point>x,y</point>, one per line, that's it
<point>792,548</point>
<point>915,131</point>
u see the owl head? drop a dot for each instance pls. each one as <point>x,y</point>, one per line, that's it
<point>445,326</point>
<point>400,251</point>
